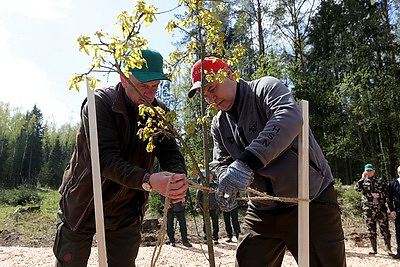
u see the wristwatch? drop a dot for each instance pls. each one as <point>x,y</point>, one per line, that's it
<point>146,182</point>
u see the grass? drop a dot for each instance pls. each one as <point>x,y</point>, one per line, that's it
<point>36,228</point>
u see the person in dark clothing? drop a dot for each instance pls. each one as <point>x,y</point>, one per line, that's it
<point>177,210</point>
<point>126,172</point>
<point>213,207</point>
<point>393,200</point>
<point>231,219</point>
<point>255,135</point>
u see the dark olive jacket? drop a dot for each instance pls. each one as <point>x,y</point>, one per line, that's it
<point>123,160</point>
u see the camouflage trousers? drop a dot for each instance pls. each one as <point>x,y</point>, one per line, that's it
<point>377,214</point>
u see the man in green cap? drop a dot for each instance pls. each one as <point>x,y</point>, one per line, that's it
<point>126,172</point>
<point>374,193</point>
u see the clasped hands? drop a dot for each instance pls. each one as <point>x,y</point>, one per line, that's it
<point>176,190</point>
<point>237,177</point>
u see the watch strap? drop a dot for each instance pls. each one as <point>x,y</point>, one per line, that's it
<point>146,182</point>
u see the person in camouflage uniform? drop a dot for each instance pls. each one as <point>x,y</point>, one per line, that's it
<point>374,193</point>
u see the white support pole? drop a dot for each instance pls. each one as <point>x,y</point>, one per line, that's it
<point>303,187</point>
<point>97,194</point>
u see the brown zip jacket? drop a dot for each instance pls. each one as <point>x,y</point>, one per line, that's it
<point>123,160</point>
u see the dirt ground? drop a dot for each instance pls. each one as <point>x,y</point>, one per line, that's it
<point>357,248</point>
<point>182,256</point>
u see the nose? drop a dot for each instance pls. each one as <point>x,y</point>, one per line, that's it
<point>210,98</point>
<point>150,91</point>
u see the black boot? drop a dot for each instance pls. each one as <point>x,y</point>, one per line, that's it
<point>374,247</point>
<point>186,243</point>
<point>171,242</point>
<point>388,247</point>
<point>396,256</point>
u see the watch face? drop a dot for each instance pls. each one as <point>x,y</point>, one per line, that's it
<point>146,186</point>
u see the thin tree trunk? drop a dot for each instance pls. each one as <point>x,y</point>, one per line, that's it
<point>206,210</point>
<point>22,161</point>
<point>261,46</point>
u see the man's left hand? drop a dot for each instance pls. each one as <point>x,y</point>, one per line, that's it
<point>176,189</point>
<point>237,177</point>
<point>375,195</point>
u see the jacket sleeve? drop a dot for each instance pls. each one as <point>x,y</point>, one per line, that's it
<point>221,158</point>
<point>113,166</point>
<point>384,188</point>
<point>284,121</point>
<point>359,185</point>
<point>169,156</point>
<point>390,193</point>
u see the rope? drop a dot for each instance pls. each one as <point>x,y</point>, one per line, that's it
<point>260,195</point>
<point>161,234</point>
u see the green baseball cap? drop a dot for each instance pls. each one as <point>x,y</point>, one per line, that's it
<point>369,166</point>
<point>152,70</point>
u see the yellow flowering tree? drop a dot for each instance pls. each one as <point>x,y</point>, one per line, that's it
<point>119,52</point>
<point>206,37</point>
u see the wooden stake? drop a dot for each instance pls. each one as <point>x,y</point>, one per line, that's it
<point>303,190</point>
<point>97,194</point>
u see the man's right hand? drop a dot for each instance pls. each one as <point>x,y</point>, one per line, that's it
<point>364,175</point>
<point>226,204</point>
<point>177,187</point>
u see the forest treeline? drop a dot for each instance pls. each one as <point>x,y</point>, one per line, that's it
<point>32,152</point>
<point>341,56</point>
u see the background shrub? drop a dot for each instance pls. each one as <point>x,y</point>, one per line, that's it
<point>20,196</point>
<point>350,201</point>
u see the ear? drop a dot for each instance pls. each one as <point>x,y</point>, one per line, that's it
<point>123,81</point>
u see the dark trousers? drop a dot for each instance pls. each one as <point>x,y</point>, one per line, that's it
<point>231,219</point>
<point>180,216</point>
<point>397,228</point>
<point>266,235</point>
<point>215,226</point>
<point>122,234</point>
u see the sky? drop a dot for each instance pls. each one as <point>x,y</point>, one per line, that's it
<point>39,52</point>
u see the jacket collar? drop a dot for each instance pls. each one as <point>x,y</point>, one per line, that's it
<point>239,98</point>
<point>120,103</point>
